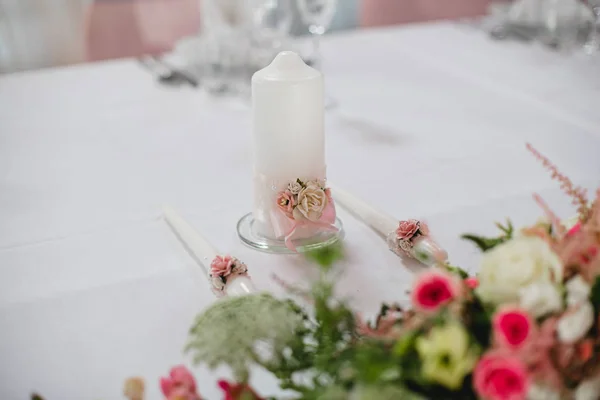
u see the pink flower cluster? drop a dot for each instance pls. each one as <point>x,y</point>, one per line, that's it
<point>179,385</point>
<point>502,373</point>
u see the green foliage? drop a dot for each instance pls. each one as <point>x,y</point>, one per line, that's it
<point>481,322</point>
<point>327,256</point>
<point>485,243</point>
<point>595,295</point>
<point>458,271</point>
<point>320,357</point>
<point>241,323</point>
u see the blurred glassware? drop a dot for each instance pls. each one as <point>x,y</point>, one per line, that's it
<point>562,23</point>
<point>592,45</point>
<point>272,20</point>
<point>241,37</point>
<point>271,25</point>
<point>226,26</point>
<point>317,14</point>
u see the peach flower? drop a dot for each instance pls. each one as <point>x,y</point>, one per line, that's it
<point>407,229</point>
<point>286,203</point>
<point>221,266</point>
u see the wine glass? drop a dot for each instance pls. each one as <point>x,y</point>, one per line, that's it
<point>592,45</point>
<point>318,14</point>
<point>272,18</point>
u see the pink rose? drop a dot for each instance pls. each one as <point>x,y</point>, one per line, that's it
<point>285,202</point>
<point>238,391</point>
<point>500,377</point>
<point>513,328</point>
<point>434,289</point>
<point>472,282</point>
<point>221,266</point>
<point>179,385</point>
<point>407,229</point>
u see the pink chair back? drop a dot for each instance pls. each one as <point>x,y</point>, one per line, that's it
<point>390,12</point>
<point>128,28</point>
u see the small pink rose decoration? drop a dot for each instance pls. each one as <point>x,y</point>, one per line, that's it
<point>305,204</point>
<point>286,202</point>
<point>407,229</point>
<point>513,328</point>
<point>179,385</point>
<point>472,282</point>
<point>500,377</point>
<point>221,266</point>
<point>434,289</point>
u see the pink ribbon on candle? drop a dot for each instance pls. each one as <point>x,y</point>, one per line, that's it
<point>325,223</point>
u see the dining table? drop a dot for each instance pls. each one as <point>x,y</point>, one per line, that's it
<point>432,123</point>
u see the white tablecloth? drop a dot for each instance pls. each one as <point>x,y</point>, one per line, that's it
<point>93,286</point>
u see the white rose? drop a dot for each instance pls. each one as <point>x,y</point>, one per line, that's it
<point>575,323</point>
<point>539,392</point>
<point>311,203</point>
<point>578,291</point>
<point>540,298</point>
<point>588,389</point>
<point>516,264</point>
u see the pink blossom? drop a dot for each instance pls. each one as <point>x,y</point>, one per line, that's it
<point>221,265</point>
<point>500,377</point>
<point>472,282</point>
<point>285,202</point>
<point>575,229</point>
<point>513,328</point>
<point>434,289</point>
<point>238,391</point>
<point>179,385</point>
<point>407,229</point>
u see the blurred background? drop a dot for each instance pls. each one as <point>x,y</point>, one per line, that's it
<point>233,38</point>
<point>44,33</point>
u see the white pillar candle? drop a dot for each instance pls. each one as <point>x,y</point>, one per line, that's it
<point>289,142</point>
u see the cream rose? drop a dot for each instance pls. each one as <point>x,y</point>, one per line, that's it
<point>539,392</point>
<point>312,200</point>
<point>575,323</point>
<point>578,291</point>
<point>588,389</point>
<point>295,187</point>
<point>540,298</point>
<point>513,265</point>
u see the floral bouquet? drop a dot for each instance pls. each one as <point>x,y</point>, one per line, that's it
<point>525,328</point>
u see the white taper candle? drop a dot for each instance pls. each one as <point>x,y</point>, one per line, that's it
<point>203,252</point>
<point>379,221</point>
